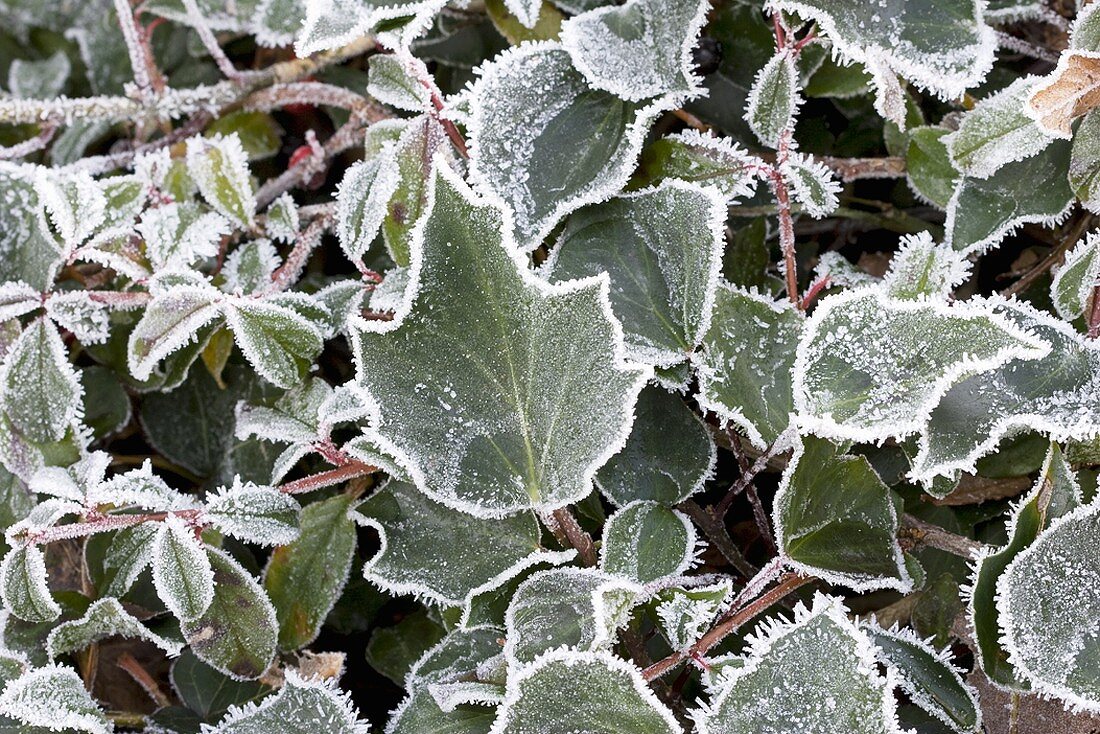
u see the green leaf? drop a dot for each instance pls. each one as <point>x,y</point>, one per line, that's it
<point>393,651</point>
<point>816,673</point>
<point>997,131</point>
<point>219,166</point>
<point>457,657</point>
<point>1084,162</point>
<point>774,99</point>
<point>171,321</point>
<point>182,573</point>
<point>420,713</point>
<point>1075,280</point>
<point>55,699</point>
<point>645,541</point>
<point>361,201</point>
<point>260,135</point>
<point>278,342</point>
<point>871,366</point>
<point>104,618</point>
<point>26,252</point>
<point>508,353</point>
<point>305,579</point>
<point>602,134</point>
<point>23,585</point>
<point>811,183</point>
<point>260,515</point>
<point>982,212</point>
<point>300,707</point>
<point>283,219</point>
<point>546,27</point>
<point>639,50</point>
<point>206,691</point>
<point>42,409</point>
<point>39,79</point>
<point>686,614</point>
<point>662,251</point>
<point>668,457</point>
<point>276,22</point>
<point>391,84</point>
<point>836,519</point>
<point>570,691</point>
<point>923,269</point>
<point>744,368</point>
<point>130,551</point>
<point>701,158</point>
<point>928,166</point>
<point>249,268</point>
<point>238,631</point>
<point>434,552</point>
<point>414,153</point>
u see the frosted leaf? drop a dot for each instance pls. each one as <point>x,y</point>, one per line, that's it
<point>278,342</point>
<point>812,184</point>
<point>343,299</point>
<point>130,552</point>
<point>1056,493</point>
<point>437,553</point>
<point>835,518</point>
<point>391,294</point>
<point>43,408</point>
<point>1068,92</point>
<point>889,96</point>
<point>871,366</point>
<point>1047,599</point>
<point>415,152</point>
<point>591,692</point>
<point>1054,395</point>
<point>23,585</point>
<point>390,82</point>
<point>219,167</point>
<point>182,574</point>
<point>171,321</point>
<point>39,79</point>
<point>254,514</point>
<point>927,677</point>
<point>997,131</point>
<point>74,481</point>
<point>646,541</point>
<point>79,313</point>
<point>282,222</point>
<point>708,160</point>
<point>813,675</point>
<point>361,201</point>
<point>74,203</point>
<point>921,268</point>
<point>295,417</point>
<point>472,385</point>
<point>667,458</point>
<point>305,579</point>
<point>237,633</point>
<point>527,11</point>
<point>982,212</point>
<point>53,698</point>
<point>459,655</point>
<point>420,713</point>
<point>300,707</point>
<point>662,251</point>
<point>841,271</point>
<point>104,618</point>
<point>638,50</point>
<point>1084,162</point>
<point>1076,279</point>
<point>177,235</point>
<point>248,268</point>
<point>744,368</point>
<point>345,404</point>
<point>126,198</point>
<point>141,488</point>
<point>276,22</point>
<point>545,142</point>
<point>28,252</point>
<point>773,99</point>
<point>329,24</point>
<point>941,46</point>
<point>579,608</point>
<point>685,614</point>
<point>18,298</point>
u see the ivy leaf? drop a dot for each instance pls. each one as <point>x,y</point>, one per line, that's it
<point>278,342</point>
<point>104,618</point>
<point>260,515</point>
<point>53,698</point>
<point>744,368</point>
<point>219,167</point>
<point>997,131</point>
<point>1048,628</point>
<point>305,578</point>
<point>646,541</point>
<point>871,366</point>
<point>299,706</point>
<point>420,713</point>
<point>509,110</point>
<point>456,668</point>
<point>171,321</point>
<point>639,50</point>
<point>461,378</point>
<point>702,158</point>
<point>836,519</point>
<point>437,553</point>
<point>23,585</point>
<point>982,212</point>
<point>537,696</point>
<point>43,408</point>
<point>928,167</point>
<point>662,251</point>
<point>566,607</point>
<point>238,631</point>
<point>668,457</point>
<point>923,269</point>
<point>1084,162</point>
<point>181,570</point>
<point>390,83</point>
<point>829,676</point>
<point>1055,493</point>
<point>773,99</point>
<point>1076,279</point>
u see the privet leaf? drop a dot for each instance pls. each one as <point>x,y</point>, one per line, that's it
<point>301,706</point>
<point>74,203</point>
<point>836,519</point>
<point>361,201</point>
<point>812,184</point>
<point>1076,279</point>
<point>181,570</point>
<point>219,167</point>
<point>248,268</point>
<point>705,159</point>
<point>282,219</point>
<point>928,166</point>
<point>662,251</point>
<point>997,131</point>
<point>774,99</point>
<point>645,541</point>
<point>104,618</point>
<point>177,235</point>
<point>28,254</point>
<point>391,83</point>
<point>171,321</point>
<point>254,514</point>
<point>23,585</point>
<point>921,268</point>
<point>53,698</point>
<point>461,379</point>
<point>278,342</point>
<point>130,552</point>
<point>42,408</point>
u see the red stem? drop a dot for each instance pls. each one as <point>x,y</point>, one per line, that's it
<point>328,478</point>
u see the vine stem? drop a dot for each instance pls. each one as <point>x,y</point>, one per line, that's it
<point>569,532</point>
<point>1094,313</point>
<point>786,220</point>
<point>352,470</point>
<point>923,533</point>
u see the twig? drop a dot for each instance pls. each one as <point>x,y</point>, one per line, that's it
<point>919,532</point>
<point>310,93</point>
<point>328,478</point>
<point>786,221</point>
<point>778,446</point>
<point>141,676</point>
<point>1094,313</point>
<point>134,47</point>
<point>1052,259</point>
<point>308,239</point>
<point>574,535</point>
<point>1020,46</point>
<point>198,22</point>
<point>851,169</point>
<point>26,147</point>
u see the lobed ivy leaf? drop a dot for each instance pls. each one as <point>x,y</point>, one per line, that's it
<point>685,614</point>
<point>702,158</point>
<point>645,541</point>
<point>301,706</point>
<point>420,712</point>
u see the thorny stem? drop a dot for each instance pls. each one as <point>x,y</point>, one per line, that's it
<point>573,535</point>
<point>918,532</point>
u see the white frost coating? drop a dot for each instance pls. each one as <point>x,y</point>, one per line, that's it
<point>997,131</point>
<point>75,203</point>
<point>841,271</point>
<point>686,614</point>
<point>725,153</point>
<point>248,268</point>
<point>1083,32</point>
<point>294,418</point>
<point>889,96</point>
<point>812,183</point>
<point>182,574</point>
<point>170,322</point>
<point>1076,278</point>
<point>362,198</point>
<point>272,337</point>
<point>282,219</point>
<point>17,298</point>
<point>44,515</point>
<point>79,313</point>
<point>141,488</point>
<point>104,618</point>
<point>597,286</point>
<point>23,588</point>
<point>392,83</point>
<point>330,24</point>
<point>773,99</point>
<point>219,166</point>
<point>623,545</point>
<point>176,235</point>
<point>639,50</point>
<point>570,701</point>
<point>254,514</point>
<point>923,269</point>
<point>527,11</point>
<point>44,408</point>
<point>893,409</point>
<point>302,704</point>
<point>54,698</point>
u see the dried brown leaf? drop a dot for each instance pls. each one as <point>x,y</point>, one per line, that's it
<point>1072,90</point>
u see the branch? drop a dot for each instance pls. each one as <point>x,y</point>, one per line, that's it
<point>340,474</point>
<point>307,241</point>
<point>715,530</point>
<point>918,532</point>
<point>26,147</point>
<point>569,533</point>
<point>786,221</point>
<point>850,169</point>
<point>133,46</point>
